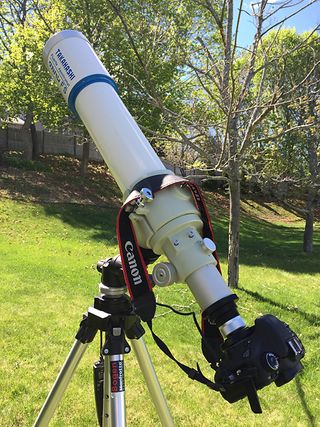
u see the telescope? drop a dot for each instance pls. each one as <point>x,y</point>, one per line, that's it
<point>163,214</point>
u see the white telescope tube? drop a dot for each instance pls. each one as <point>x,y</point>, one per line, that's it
<point>92,94</point>
<point>170,224</point>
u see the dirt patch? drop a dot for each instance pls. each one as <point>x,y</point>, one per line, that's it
<point>59,181</point>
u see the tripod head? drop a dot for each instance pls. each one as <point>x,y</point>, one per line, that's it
<point>111,273</point>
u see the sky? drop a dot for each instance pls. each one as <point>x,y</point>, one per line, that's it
<point>306,20</point>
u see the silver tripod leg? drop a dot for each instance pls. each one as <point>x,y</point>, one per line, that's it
<point>106,410</point>
<point>114,405</point>
<point>152,382</point>
<point>61,383</point>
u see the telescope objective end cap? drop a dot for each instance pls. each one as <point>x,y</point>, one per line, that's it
<point>57,37</point>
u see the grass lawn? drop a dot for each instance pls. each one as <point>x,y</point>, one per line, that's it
<point>48,279</point>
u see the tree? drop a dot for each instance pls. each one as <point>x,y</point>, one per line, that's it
<point>293,157</point>
<point>29,93</point>
<point>25,89</point>
<point>138,43</point>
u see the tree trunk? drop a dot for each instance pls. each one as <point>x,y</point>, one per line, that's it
<point>234,210</point>
<point>35,142</point>
<point>308,228</point>
<point>33,153</point>
<point>85,158</point>
<point>234,229</point>
<point>308,231</point>
<point>312,144</point>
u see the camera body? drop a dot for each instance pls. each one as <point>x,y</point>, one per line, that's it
<point>251,358</point>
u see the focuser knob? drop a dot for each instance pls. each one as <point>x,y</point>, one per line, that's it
<point>164,274</point>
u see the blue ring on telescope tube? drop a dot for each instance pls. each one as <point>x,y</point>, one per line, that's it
<point>86,81</point>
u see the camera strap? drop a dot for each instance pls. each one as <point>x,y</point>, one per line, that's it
<point>135,259</point>
<point>194,374</point>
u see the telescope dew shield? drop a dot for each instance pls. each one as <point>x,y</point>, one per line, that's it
<point>92,94</point>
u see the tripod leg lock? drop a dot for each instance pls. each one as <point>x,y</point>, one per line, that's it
<point>86,333</point>
<point>93,321</point>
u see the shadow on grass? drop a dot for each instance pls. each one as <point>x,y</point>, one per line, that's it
<point>101,221</point>
<point>261,203</point>
<point>57,179</point>
<point>261,243</point>
<point>311,418</point>
<point>267,244</point>
<point>311,318</point>
<point>313,336</point>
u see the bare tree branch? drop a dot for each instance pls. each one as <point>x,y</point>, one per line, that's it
<point>198,70</point>
<point>288,17</point>
<point>128,32</point>
<point>250,73</point>
<point>213,63</point>
<point>37,8</point>
<point>285,132</point>
<point>218,19</point>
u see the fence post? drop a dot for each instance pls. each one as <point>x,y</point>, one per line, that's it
<point>26,137</point>
<point>85,158</point>
<point>42,142</point>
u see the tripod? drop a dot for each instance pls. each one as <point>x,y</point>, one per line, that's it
<point>112,314</point>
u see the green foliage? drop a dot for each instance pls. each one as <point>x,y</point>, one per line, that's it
<point>144,45</point>
<point>16,160</point>
<point>290,155</point>
<point>26,87</point>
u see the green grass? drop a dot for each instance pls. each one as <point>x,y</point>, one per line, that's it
<point>48,279</point>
